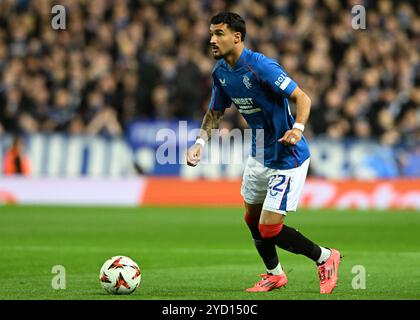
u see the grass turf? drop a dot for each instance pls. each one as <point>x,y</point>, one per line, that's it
<point>200,253</point>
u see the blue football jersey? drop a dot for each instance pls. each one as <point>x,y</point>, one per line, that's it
<point>259,88</point>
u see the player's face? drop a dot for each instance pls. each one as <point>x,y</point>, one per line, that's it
<point>222,40</point>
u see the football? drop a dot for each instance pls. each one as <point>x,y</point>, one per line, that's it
<point>120,275</point>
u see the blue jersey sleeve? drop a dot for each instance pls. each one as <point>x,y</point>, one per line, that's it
<point>219,100</point>
<point>273,75</point>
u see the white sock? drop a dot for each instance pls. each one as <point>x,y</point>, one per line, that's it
<point>276,271</point>
<point>325,254</point>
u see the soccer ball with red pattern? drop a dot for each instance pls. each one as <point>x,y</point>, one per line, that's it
<point>120,275</point>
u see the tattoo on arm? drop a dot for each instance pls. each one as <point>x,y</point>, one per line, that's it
<point>211,121</point>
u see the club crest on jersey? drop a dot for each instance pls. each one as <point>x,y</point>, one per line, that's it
<point>222,82</point>
<point>247,82</point>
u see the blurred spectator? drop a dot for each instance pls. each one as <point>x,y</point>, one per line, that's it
<point>15,162</point>
<point>61,113</point>
<point>161,102</point>
<point>10,110</point>
<point>100,118</point>
<point>104,122</point>
<point>187,91</point>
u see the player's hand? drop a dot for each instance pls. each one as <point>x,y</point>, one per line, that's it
<point>194,154</point>
<point>291,137</point>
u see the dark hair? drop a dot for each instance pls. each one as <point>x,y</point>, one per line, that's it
<point>233,20</point>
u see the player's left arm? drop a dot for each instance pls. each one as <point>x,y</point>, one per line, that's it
<point>273,75</point>
<point>303,109</point>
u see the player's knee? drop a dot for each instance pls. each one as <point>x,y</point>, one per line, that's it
<point>251,219</point>
<point>269,230</point>
<point>269,217</point>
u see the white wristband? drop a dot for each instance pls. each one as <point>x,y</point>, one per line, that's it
<point>299,126</point>
<point>200,141</point>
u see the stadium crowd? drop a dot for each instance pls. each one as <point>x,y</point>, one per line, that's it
<point>122,60</point>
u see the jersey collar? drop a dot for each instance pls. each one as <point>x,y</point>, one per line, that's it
<point>241,61</point>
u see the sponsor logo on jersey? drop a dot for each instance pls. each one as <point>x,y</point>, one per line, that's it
<point>282,81</point>
<point>245,105</point>
<point>223,82</point>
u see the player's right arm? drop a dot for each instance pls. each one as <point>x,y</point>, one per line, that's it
<point>211,121</point>
<point>218,103</point>
<point>273,75</point>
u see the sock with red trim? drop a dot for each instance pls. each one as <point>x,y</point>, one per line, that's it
<point>290,240</point>
<point>265,248</point>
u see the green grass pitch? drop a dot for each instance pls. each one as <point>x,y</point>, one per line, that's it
<point>200,253</point>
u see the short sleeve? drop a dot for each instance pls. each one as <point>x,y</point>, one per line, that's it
<point>219,100</point>
<point>273,75</point>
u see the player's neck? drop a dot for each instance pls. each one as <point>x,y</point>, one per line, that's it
<point>234,56</point>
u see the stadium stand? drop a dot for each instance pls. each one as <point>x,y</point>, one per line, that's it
<point>124,61</point>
